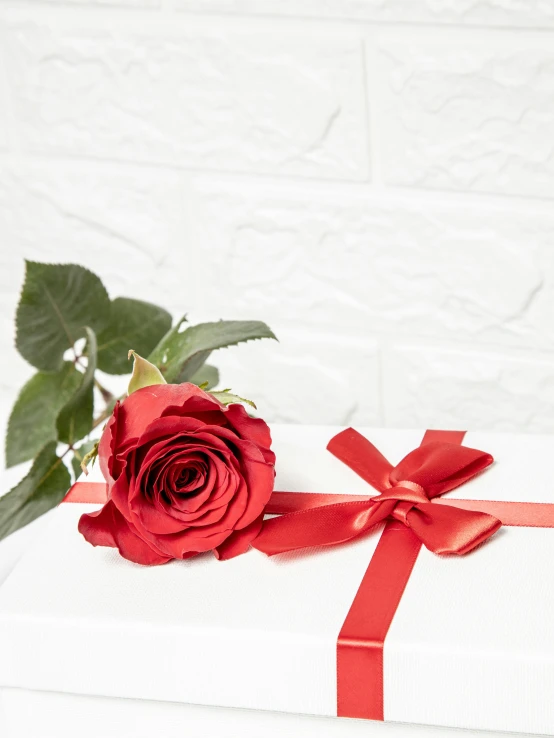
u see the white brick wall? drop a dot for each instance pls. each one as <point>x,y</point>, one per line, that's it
<point>374,178</point>
<point>203,97</point>
<point>470,115</point>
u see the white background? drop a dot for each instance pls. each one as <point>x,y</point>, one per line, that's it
<point>373,178</point>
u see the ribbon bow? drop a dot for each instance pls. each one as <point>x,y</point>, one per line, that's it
<point>406,491</point>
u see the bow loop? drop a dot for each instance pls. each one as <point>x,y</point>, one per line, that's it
<point>440,467</point>
<point>361,456</point>
<point>449,530</point>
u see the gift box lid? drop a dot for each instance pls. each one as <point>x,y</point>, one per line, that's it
<point>471,643</point>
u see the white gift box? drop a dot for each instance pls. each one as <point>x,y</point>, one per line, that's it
<point>83,631</point>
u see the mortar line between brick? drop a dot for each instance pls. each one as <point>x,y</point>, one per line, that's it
<point>372,104</point>
<point>60,156</point>
<point>14,141</point>
<point>352,23</point>
<point>29,10</point>
<point>386,341</point>
<point>382,409</point>
<point>433,198</point>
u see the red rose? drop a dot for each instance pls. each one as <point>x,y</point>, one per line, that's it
<point>185,474</point>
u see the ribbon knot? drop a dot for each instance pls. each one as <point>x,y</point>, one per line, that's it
<point>403,491</point>
<point>405,494</point>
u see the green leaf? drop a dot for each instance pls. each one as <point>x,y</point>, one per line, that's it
<point>57,302</point>
<point>207,375</point>
<point>33,419</point>
<point>144,374</point>
<point>43,488</point>
<point>75,418</point>
<point>132,323</point>
<point>179,355</point>
<point>79,454</point>
<point>228,398</point>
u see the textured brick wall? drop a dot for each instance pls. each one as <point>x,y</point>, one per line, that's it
<point>374,178</point>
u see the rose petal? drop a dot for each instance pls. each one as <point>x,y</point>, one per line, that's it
<point>151,519</point>
<point>260,478</point>
<point>215,488</point>
<point>150,403</point>
<point>165,475</point>
<point>106,456</point>
<point>205,537</point>
<point>167,430</point>
<point>107,527</point>
<point>182,545</point>
<point>185,478</point>
<point>252,429</point>
<point>249,502</point>
<point>239,541</point>
<point>119,495</point>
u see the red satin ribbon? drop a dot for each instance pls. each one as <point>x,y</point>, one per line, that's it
<point>88,492</point>
<point>439,465</point>
<point>443,525</point>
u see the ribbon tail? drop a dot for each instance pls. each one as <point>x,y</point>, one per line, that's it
<point>449,530</point>
<point>321,526</point>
